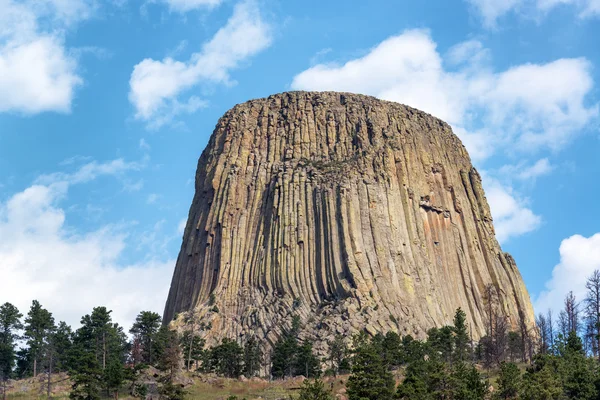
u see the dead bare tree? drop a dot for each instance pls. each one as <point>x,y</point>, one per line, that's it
<point>592,311</point>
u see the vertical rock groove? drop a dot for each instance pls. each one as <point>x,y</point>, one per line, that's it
<point>352,212</point>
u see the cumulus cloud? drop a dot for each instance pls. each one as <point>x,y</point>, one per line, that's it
<point>156,86</point>
<point>37,72</point>
<point>511,213</point>
<point>579,257</point>
<point>71,272</point>
<point>491,10</point>
<point>533,105</point>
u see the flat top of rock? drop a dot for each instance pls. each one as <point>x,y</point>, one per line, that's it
<point>331,97</point>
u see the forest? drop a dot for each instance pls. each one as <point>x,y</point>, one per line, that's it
<point>559,360</point>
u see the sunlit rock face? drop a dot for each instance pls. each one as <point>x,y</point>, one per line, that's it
<point>351,212</point>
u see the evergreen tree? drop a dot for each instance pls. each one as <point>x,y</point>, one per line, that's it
<point>541,380</point>
<point>306,363</point>
<point>169,359</point>
<point>392,349</point>
<point>10,324</point>
<point>509,381</point>
<point>284,357</point>
<point>96,344</point>
<point>441,342</point>
<point>425,379</point>
<point>62,342</point>
<point>113,377</point>
<point>39,325</point>
<point>226,358</point>
<point>370,377</point>
<point>253,357</point>
<point>314,390</point>
<point>466,383</point>
<point>145,328</point>
<point>195,352</point>
<point>577,371</point>
<point>86,376</point>
<point>337,353</point>
<point>461,336</point>
<point>515,346</point>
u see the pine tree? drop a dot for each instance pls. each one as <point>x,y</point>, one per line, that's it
<point>509,381</point>
<point>39,325</point>
<point>314,390</point>
<point>577,371</point>
<point>96,344</point>
<point>461,336</point>
<point>253,357</point>
<point>169,361</point>
<point>392,349</point>
<point>145,328</point>
<point>466,383</point>
<point>10,324</point>
<point>337,353</point>
<point>592,310</point>
<point>194,353</point>
<point>284,357</point>
<point>226,358</point>
<point>306,363</point>
<point>370,377</point>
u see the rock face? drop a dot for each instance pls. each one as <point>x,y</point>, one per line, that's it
<point>351,212</point>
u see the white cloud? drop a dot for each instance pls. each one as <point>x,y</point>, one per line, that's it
<point>533,105</point>
<point>525,172</point>
<point>37,72</point>
<point>155,86</point>
<point>151,199</point>
<point>579,257</point>
<point>188,5</point>
<point>491,10</point>
<point>181,226</point>
<point>512,216</point>
<point>144,145</point>
<point>71,272</point>
<point>91,171</point>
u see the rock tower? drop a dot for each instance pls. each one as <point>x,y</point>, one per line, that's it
<point>350,212</point>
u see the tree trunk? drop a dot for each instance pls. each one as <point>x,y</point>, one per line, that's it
<point>191,345</point>
<point>103,350</point>
<point>35,367</point>
<point>50,376</point>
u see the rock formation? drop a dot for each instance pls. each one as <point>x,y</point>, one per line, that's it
<point>351,212</point>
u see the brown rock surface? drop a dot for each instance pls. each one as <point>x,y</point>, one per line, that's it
<point>352,212</point>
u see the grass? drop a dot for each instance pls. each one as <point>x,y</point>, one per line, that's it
<point>203,388</point>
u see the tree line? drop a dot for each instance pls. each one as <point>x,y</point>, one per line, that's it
<point>557,360</point>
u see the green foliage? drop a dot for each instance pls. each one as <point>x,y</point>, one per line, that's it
<point>145,329</point>
<point>10,323</point>
<point>314,390</point>
<point>370,377</point>
<point>441,342</point>
<point>39,325</point>
<point>253,357</point>
<point>509,381</point>
<point>226,358</point>
<point>192,346</point>
<point>97,355</point>
<point>169,390</point>
<point>338,351</point>
<point>461,336</point>
<point>306,363</point>
<point>87,377</point>
<point>284,357</point>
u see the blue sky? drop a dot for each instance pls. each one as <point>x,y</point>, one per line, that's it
<point>105,107</point>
